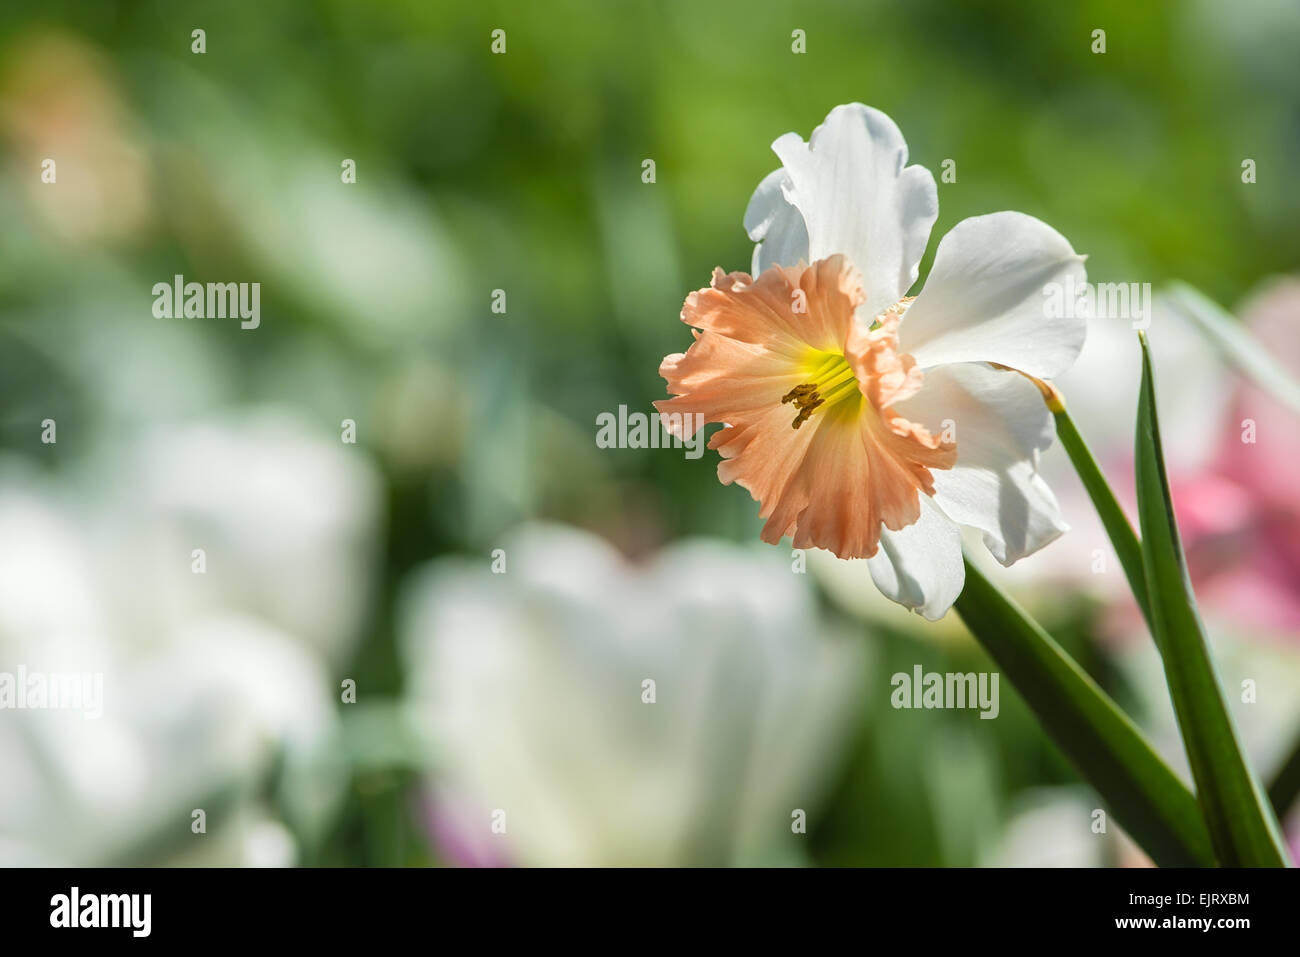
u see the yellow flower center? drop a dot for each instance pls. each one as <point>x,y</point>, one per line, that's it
<point>831,380</point>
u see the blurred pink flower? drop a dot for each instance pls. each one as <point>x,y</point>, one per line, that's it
<point>1240,514</point>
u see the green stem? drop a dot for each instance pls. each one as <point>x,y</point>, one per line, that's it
<point>1122,537</point>
<point>1146,797</point>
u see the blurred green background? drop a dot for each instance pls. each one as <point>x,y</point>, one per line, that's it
<point>522,172</point>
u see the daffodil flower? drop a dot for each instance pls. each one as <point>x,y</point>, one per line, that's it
<point>867,422</point>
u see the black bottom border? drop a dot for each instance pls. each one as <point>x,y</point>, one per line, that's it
<point>334,907</point>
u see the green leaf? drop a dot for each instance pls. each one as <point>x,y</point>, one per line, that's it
<point>1116,523</point>
<point>1144,795</point>
<point>1241,823</point>
<point>1233,342</point>
<point>1286,782</point>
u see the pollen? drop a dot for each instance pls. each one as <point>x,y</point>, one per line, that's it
<point>832,380</point>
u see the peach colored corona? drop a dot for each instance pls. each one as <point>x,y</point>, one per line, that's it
<point>867,422</point>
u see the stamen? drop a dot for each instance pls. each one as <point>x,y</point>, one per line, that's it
<point>832,380</point>
<point>831,361</point>
<point>842,390</point>
<point>805,412</point>
<point>798,392</point>
<point>844,375</point>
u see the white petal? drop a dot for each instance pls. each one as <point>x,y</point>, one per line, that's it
<point>1000,423</point>
<point>858,197</point>
<point>988,298</point>
<point>921,566</point>
<point>775,225</point>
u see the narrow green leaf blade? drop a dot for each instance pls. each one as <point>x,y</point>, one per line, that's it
<point>1242,826</point>
<point>1285,788</point>
<point>1118,528</point>
<point>1144,795</point>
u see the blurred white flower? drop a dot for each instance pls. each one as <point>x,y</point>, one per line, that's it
<point>1059,827</point>
<point>217,687</point>
<point>531,687</point>
<point>287,518</point>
